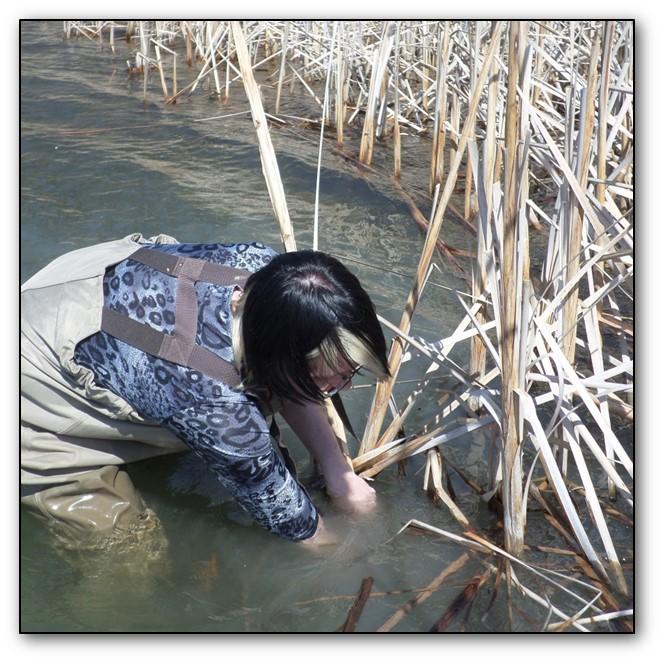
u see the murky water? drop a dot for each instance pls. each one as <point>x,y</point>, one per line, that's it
<point>97,163</point>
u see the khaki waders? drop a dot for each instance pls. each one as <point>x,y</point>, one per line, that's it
<point>75,435</point>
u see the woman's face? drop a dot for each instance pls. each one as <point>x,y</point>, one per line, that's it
<point>330,379</point>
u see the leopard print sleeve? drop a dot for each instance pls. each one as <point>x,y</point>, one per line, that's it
<point>233,440</point>
<point>222,426</point>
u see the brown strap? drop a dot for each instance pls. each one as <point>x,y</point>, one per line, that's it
<point>191,267</point>
<point>180,347</point>
<point>186,310</point>
<point>169,348</point>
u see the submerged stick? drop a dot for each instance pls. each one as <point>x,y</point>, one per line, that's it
<point>464,599</point>
<point>403,611</point>
<point>360,602</point>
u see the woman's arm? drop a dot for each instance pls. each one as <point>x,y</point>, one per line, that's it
<point>233,440</point>
<point>311,424</point>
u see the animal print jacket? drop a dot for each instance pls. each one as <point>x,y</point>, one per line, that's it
<point>223,426</point>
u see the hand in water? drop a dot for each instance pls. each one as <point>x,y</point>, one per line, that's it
<point>352,493</point>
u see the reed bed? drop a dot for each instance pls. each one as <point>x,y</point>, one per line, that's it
<point>532,123</point>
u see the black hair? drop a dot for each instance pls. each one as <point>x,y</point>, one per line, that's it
<point>291,306</point>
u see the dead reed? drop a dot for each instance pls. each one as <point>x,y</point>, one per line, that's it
<point>539,116</point>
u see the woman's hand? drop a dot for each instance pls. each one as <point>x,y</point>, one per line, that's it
<point>351,492</point>
<point>344,487</point>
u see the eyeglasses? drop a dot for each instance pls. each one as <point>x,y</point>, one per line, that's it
<point>333,391</point>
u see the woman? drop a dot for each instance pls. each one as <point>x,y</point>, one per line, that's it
<point>136,348</point>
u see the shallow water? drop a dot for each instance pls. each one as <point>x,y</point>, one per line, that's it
<point>98,163</point>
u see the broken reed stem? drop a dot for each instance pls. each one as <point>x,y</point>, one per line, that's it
<point>590,620</point>
<point>512,496</point>
<point>164,87</point>
<point>574,252</point>
<point>356,609</point>
<point>400,614</point>
<point>212,53</point>
<point>270,166</point>
<point>606,59</point>
<point>463,600</point>
<point>326,104</point>
<point>484,243</point>
<point>468,211</point>
<point>188,45</point>
<point>174,75</point>
<point>380,59</point>
<point>284,53</point>
<point>384,389</point>
<point>602,157</point>
<point>440,130</point>
<point>433,484</point>
<point>144,46</point>
<point>273,178</point>
<point>397,124</point>
<point>340,84</point>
